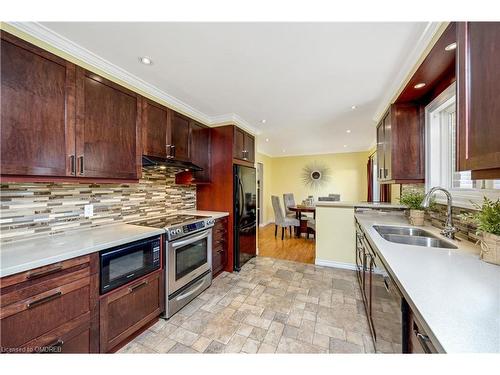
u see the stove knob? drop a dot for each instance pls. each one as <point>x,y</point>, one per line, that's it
<point>178,231</point>
<point>172,232</point>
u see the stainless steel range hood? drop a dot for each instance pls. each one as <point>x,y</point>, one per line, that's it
<point>148,161</point>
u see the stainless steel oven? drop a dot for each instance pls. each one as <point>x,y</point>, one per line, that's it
<point>189,269</point>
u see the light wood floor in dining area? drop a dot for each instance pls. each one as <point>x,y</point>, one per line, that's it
<point>301,250</point>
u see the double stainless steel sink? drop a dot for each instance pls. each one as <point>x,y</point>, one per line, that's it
<point>412,236</point>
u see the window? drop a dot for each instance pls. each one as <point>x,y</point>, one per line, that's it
<point>441,170</point>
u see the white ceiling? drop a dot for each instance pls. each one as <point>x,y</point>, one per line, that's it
<point>302,78</point>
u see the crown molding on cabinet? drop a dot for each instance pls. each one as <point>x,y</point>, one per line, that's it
<point>44,34</point>
<point>411,63</point>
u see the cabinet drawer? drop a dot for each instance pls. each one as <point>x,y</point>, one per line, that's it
<point>71,337</point>
<point>28,284</point>
<point>30,318</point>
<point>126,310</point>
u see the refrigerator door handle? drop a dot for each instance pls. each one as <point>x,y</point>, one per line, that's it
<point>240,203</point>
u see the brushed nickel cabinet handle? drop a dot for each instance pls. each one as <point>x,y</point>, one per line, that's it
<point>423,340</point>
<point>72,163</point>
<point>43,300</point>
<point>137,286</point>
<point>80,160</point>
<point>48,271</point>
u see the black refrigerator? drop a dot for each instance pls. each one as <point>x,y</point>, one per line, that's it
<point>245,214</point>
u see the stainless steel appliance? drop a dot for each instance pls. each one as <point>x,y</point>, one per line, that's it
<point>386,309</point>
<point>245,215</point>
<point>187,258</point>
<point>122,264</point>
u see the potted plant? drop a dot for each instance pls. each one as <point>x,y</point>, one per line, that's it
<point>413,200</point>
<point>487,219</point>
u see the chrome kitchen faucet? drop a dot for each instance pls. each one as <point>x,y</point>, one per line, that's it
<point>449,230</point>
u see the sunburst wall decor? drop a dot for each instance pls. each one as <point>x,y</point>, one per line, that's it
<point>315,175</point>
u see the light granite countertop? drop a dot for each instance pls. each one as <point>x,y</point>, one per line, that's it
<point>375,205</point>
<point>454,294</point>
<point>24,255</point>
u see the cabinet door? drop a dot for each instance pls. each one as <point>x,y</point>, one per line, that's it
<point>380,151</point>
<point>155,122</point>
<point>219,246</point>
<point>249,148</point>
<point>478,90</point>
<point>387,147</point>
<point>179,137</point>
<point>37,111</point>
<point>239,143</point>
<point>108,124</point>
<point>200,151</point>
<point>126,310</point>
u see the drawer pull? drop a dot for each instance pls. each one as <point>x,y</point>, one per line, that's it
<point>36,275</point>
<point>43,300</point>
<point>138,286</point>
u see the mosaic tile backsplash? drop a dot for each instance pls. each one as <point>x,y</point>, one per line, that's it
<point>39,209</point>
<point>437,217</point>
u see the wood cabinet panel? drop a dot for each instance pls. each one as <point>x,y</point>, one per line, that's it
<point>37,110</point>
<point>200,152</point>
<point>249,148</point>
<point>400,145</point>
<point>125,310</point>
<point>28,319</point>
<point>478,90</point>
<point>219,246</point>
<point>108,124</point>
<point>239,143</point>
<point>155,124</point>
<point>179,137</point>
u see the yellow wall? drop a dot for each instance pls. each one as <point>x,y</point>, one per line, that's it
<point>283,175</point>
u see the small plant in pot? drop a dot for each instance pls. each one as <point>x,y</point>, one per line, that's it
<point>413,200</point>
<point>487,219</point>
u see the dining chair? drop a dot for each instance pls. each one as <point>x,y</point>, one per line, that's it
<point>311,227</point>
<point>281,219</point>
<point>289,201</point>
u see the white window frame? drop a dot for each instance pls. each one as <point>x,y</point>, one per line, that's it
<point>461,197</point>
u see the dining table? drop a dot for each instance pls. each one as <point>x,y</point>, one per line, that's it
<point>299,209</point>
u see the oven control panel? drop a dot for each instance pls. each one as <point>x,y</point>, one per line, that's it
<point>195,226</point>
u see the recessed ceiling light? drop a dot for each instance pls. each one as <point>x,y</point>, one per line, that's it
<point>345,146</point>
<point>267,139</point>
<point>348,131</point>
<point>283,150</point>
<point>353,107</point>
<point>419,85</point>
<point>263,121</point>
<point>146,60</point>
<point>451,46</point>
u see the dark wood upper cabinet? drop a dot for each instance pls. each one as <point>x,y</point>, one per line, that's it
<point>244,145</point>
<point>400,145</point>
<point>108,128</point>
<point>155,123</point>
<point>179,137</point>
<point>200,151</point>
<point>478,93</point>
<point>37,111</point>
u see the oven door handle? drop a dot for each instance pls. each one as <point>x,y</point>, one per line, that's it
<point>190,240</point>
<point>192,291</point>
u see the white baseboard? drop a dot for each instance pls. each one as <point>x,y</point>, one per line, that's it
<point>345,266</point>
<point>335,264</point>
<point>262,225</point>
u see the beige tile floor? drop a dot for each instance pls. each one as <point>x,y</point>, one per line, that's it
<point>271,306</point>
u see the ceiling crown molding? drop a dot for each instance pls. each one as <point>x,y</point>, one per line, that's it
<point>412,61</point>
<point>73,49</point>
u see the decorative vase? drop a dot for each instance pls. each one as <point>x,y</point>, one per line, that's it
<point>490,248</point>
<point>417,217</point>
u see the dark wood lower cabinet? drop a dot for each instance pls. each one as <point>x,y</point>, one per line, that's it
<point>52,308</point>
<point>128,309</point>
<point>418,340</point>
<point>219,246</point>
